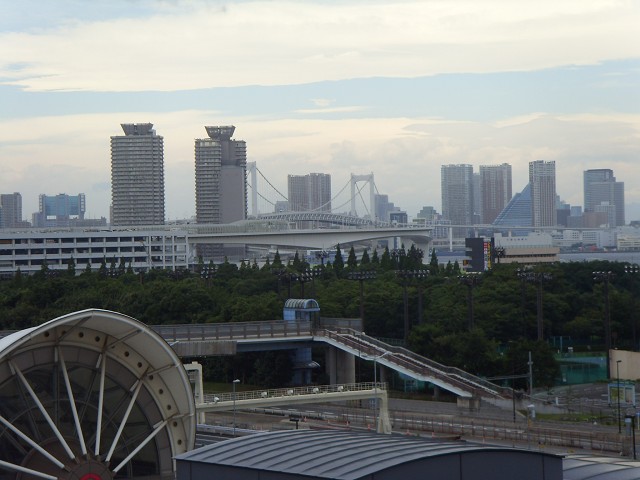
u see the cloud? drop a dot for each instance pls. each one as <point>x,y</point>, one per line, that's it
<point>190,45</point>
<point>314,111</point>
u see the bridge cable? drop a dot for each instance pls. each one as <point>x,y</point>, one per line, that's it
<point>271,185</point>
<point>262,196</point>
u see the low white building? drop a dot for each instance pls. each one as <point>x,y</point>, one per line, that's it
<point>28,249</point>
<point>530,249</point>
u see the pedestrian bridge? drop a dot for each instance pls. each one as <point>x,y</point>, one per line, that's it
<point>197,340</point>
<point>300,395</point>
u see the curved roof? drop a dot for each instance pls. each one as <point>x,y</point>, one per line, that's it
<point>302,304</point>
<point>344,455</point>
<point>128,357</point>
<point>582,467</point>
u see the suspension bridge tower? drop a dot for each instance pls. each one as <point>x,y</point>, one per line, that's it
<point>252,173</point>
<point>372,193</point>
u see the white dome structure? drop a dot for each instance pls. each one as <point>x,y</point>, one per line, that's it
<point>92,395</point>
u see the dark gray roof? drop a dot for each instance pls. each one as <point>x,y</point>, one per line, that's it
<point>583,467</point>
<point>344,455</point>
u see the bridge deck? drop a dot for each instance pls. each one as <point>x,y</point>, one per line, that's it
<point>400,359</point>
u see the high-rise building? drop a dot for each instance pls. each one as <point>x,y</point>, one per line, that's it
<point>603,193</point>
<point>59,210</point>
<point>384,207</point>
<point>137,176</point>
<point>309,193</point>
<point>221,187</point>
<point>542,177</point>
<point>457,196</point>
<point>495,190</point>
<point>11,210</point>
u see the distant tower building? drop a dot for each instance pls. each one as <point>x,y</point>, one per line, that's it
<point>221,186</point>
<point>603,193</point>
<point>384,207</point>
<point>137,176</point>
<point>59,210</point>
<point>457,196</point>
<point>496,190</point>
<point>477,199</point>
<point>309,193</point>
<point>542,177</point>
<point>11,210</point>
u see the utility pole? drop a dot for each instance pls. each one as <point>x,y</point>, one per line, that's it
<point>530,363</point>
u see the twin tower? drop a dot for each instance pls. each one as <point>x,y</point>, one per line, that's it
<point>137,177</point>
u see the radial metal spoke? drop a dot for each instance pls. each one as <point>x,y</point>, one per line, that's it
<point>157,430</point>
<point>103,370</point>
<point>72,402</point>
<point>31,442</point>
<point>17,468</point>
<point>44,412</point>
<point>132,402</point>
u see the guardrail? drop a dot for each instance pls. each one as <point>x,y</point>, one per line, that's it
<point>234,331</point>
<point>412,361</point>
<point>293,392</point>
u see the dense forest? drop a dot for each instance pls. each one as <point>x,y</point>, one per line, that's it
<point>494,341</point>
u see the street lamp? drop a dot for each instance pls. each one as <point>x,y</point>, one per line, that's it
<point>406,275</point>
<point>633,270</point>
<point>618,381</point>
<point>302,277</point>
<point>470,281</point>
<point>361,276</point>
<point>605,278</point>
<point>234,405</point>
<point>536,278</point>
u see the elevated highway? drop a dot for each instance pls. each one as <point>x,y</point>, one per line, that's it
<point>313,239</point>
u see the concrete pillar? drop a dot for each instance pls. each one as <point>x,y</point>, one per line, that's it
<point>382,373</point>
<point>340,366</point>
<point>436,393</point>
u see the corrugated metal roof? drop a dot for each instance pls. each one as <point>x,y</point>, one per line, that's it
<point>334,454</point>
<point>302,303</point>
<point>582,467</point>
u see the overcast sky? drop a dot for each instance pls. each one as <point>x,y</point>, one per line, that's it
<point>396,89</point>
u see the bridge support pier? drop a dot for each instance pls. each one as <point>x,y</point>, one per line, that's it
<point>469,403</point>
<point>340,366</point>
<point>384,421</point>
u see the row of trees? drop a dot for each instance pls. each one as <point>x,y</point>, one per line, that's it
<point>504,306</point>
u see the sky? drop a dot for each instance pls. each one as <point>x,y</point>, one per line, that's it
<point>345,87</point>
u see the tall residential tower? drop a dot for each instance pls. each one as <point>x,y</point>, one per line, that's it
<point>137,176</point>
<point>309,193</point>
<point>221,188</point>
<point>495,190</point>
<point>542,178</point>
<point>602,193</point>
<point>11,210</point>
<point>457,196</point>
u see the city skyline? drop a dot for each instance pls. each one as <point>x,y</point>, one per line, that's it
<point>397,89</point>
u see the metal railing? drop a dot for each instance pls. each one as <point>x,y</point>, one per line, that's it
<point>234,331</point>
<point>293,392</point>
<point>413,362</point>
